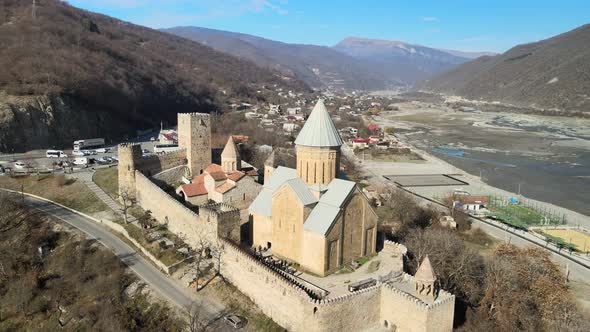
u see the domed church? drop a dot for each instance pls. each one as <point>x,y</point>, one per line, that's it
<point>309,215</point>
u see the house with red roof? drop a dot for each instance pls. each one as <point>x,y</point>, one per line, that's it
<point>226,183</point>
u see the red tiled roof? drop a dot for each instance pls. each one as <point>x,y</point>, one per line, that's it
<point>225,187</point>
<point>236,176</point>
<point>218,176</point>
<point>199,178</point>
<point>475,199</point>
<point>360,140</point>
<point>213,168</point>
<point>194,189</point>
<point>216,172</point>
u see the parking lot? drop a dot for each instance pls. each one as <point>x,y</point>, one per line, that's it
<point>36,161</point>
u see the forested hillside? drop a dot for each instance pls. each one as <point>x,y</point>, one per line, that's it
<point>552,73</point>
<point>68,73</point>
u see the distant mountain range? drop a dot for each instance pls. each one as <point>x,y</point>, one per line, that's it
<point>354,63</point>
<point>552,73</point>
<point>69,74</point>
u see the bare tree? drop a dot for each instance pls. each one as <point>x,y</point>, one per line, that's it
<point>145,220</point>
<point>195,320</point>
<point>208,252</point>
<point>128,201</point>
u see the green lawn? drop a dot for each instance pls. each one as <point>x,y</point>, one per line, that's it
<point>521,216</point>
<point>59,188</point>
<point>108,180</point>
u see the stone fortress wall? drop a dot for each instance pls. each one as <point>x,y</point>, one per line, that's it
<point>287,302</point>
<point>282,298</point>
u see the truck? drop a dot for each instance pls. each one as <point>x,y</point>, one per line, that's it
<point>88,143</point>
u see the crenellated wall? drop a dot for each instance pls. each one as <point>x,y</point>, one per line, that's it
<point>292,304</point>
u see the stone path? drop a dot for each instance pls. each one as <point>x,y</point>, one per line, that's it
<point>86,177</point>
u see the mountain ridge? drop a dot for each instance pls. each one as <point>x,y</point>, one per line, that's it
<point>70,73</point>
<point>553,73</point>
<point>324,66</point>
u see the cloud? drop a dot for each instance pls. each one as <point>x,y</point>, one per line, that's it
<point>429,18</point>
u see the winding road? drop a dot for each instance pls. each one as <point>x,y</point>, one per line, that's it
<point>156,280</point>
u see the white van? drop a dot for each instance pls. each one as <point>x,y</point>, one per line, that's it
<point>82,161</point>
<point>55,154</point>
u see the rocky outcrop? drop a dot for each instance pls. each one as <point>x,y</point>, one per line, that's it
<point>29,122</point>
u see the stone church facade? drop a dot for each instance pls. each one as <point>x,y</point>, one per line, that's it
<point>310,216</point>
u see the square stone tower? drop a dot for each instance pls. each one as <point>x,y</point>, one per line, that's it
<point>194,135</point>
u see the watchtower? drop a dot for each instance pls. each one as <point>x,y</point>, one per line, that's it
<point>194,135</point>
<point>130,156</point>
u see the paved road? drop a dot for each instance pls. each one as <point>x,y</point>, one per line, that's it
<point>577,272</point>
<point>156,280</point>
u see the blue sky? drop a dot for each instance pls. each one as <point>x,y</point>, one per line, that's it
<point>475,25</point>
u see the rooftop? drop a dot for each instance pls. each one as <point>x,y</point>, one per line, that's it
<point>319,130</point>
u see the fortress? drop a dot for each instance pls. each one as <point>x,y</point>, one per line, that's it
<point>307,216</point>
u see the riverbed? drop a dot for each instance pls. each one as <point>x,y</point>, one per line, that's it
<point>548,158</point>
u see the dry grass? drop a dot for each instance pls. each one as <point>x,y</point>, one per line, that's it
<point>59,188</point>
<point>108,180</point>
<point>572,236</point>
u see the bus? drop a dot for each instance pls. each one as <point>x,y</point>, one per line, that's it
<point>356,286</point>
<point>159,148</point>
<point>55,154</point>
<point>88,143</point>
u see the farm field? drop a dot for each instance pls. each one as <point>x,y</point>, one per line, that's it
<point>577,238</point>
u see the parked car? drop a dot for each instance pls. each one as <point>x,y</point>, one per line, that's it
<point>115,158</point>
<point>235,321</point>
<point>102,150</point>
<point>78,153</point>
<point>101,160</point>
<point>20,165</point>
<point>109,159</point>
<point>152,139</point>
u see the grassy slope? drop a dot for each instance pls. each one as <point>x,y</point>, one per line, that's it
<point>69,192</point>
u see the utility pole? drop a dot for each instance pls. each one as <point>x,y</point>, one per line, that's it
<point>34,11</point>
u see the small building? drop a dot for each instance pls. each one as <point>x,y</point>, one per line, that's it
<point>290,127</point>
<point>374,139</point>
<point>227,183</point>
<point>360,143</point>
<point>448,221</point>
<point>474,203</point>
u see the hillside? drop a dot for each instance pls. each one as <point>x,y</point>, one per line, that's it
<point>68,73</point>
<point>318,66</point>
<point>409,63</point>
<point>552,73</point>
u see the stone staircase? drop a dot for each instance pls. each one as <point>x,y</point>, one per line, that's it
<point>86,178</point>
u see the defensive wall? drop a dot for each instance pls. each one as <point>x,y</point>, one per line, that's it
<point>131,159</point>
<point>292,304</point>
<point>167,210</point>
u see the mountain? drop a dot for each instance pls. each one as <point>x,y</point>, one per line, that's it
<point>466,54</point>
<point>409,63</point>
<point>352,64</point>
<point>318,66</point>
<point>68,73</point>
<point>552,73</point>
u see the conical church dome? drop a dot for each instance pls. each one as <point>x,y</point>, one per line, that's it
<point>319,130</point>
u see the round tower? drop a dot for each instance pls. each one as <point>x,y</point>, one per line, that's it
<point>230,157</point>
<point>318,148</point>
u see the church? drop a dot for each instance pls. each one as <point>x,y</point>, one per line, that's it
<point>308,215</point>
